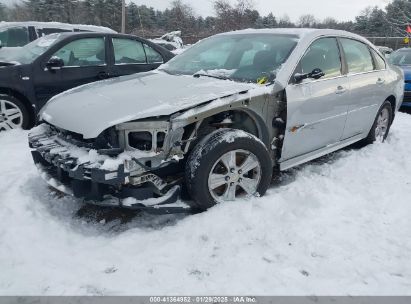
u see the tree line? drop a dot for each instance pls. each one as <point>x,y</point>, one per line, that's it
<point>147,21</point>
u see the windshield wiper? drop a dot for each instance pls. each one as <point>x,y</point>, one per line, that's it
<point>198,75</point>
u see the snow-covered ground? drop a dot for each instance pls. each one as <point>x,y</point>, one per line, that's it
<point>340,225</point>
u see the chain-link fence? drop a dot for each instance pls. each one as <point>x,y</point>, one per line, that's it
<point>393,42</point>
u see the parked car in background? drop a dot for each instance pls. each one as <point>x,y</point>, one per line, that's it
<point>171,41</point>
<point>33,74</point>
<point>217,119</point>
<point>402,59</point>
<point>18,34</point>
<point>386,51</point>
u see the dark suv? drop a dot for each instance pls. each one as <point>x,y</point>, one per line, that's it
<point>33,74</point>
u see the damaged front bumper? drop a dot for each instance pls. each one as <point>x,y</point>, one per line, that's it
<point>90,181</point>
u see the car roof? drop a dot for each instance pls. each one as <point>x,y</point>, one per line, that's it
<point>65,26</point>
<point>97,34</point>
<point>299,32</point>
<point>404,49</point>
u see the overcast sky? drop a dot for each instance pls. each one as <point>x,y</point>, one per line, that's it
<point>339,9</point>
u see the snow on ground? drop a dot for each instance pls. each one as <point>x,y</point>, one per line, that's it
<point>337,226</point>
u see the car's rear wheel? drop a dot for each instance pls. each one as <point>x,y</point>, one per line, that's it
<point>381,126</point>
<point>226,165</point>
<point>13,114</point>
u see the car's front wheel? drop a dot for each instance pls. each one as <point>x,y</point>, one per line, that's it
<point>226,165</point>
<point>13,114</point>
<point>382,124</point>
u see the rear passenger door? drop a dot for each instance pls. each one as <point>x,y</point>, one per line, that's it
<point>133,56</point>
<point>367,90</point>
<point>316,108</point>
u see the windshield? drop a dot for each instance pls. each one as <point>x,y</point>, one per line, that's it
<point>31,51</point>
<point>239,57</point>
<point>402,57</point>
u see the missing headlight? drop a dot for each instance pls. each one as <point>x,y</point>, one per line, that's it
<point>160,139</point>
<point>140,140</point>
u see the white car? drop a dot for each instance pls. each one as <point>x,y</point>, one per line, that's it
<point>171,41</point>
<point>18,34</point>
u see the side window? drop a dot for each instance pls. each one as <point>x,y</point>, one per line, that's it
<point>357,55</point>
<point>152,55</point>
<point>323,54</point>
<point>128,51</point>
<point>379,62</point>
<point>14,37</point>
<point>83,52</point>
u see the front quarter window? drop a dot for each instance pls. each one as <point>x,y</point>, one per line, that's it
<point>239,57</point>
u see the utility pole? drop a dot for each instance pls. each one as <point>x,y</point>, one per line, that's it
<point>123,17</point>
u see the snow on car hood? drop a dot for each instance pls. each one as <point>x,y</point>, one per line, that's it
<point>92,108</point>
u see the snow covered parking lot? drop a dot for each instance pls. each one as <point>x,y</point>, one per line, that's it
<point>337,226</point>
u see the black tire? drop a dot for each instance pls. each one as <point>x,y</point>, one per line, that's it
<point>26,120</point>
<point>209,150</point>
<point>371,137</point>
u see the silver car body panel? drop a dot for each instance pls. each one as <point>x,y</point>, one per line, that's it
<point>322,115</point>
<point>112,102</point>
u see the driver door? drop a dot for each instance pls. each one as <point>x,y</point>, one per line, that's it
<point>85,61</point>
<point>316,108</point>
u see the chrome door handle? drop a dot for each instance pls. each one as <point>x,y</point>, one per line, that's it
<point>380,81</point>
<point>340,90</point>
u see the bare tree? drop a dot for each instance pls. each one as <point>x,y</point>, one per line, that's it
<point>239,16</point>
<point>307,20</point>
<point>182,16</point>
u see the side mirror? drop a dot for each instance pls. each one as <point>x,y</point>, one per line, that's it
<point>315,74</point>
<point>55,63</point>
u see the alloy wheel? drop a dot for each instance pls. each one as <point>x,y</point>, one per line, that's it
<point>235,174</point>
<point>382,125</point>
<point>11,117</point>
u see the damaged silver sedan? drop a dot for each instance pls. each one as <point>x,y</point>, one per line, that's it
<point>218,120</point>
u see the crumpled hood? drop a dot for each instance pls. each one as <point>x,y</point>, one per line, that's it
<point>92,108</point>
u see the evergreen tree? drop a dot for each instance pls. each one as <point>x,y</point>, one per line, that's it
<point>3,12</point>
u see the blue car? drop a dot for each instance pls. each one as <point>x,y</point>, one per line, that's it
<point>402,59</point>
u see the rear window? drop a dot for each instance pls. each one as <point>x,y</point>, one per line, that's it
<point>357,55</point>
<point>402,57</point>
<point>14,37</point>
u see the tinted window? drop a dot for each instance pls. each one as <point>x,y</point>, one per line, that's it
<point>357,55</point>
<point>127,51</point>
<point>83,52</point>
<point>152,55</point>
<point>379,62</point>
<point>323,54</point>
<point>14,37</point>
